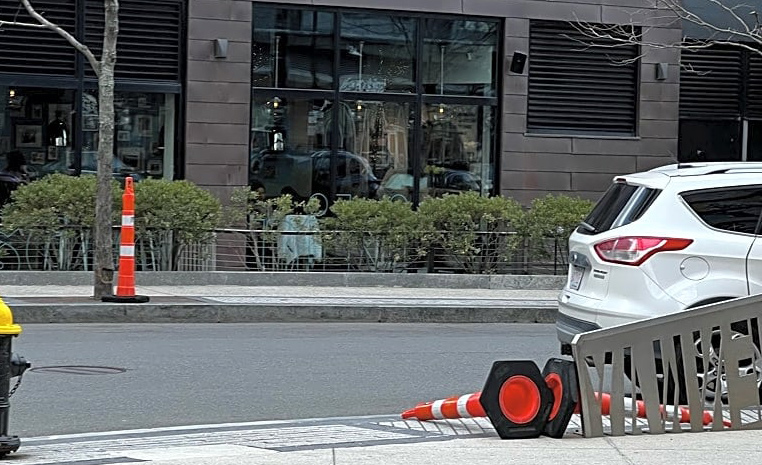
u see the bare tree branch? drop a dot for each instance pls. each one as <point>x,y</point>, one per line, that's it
<point>82,48</point>
<point>739,32</point>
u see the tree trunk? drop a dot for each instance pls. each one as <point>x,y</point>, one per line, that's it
<point>103,265</point>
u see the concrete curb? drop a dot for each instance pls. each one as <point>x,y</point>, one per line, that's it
<point>246,313</point>
<point>332,279</point>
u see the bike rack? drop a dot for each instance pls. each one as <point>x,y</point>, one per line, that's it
<point>723,336</point>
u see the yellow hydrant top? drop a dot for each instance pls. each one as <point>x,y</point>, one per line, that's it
<point>7,327</point>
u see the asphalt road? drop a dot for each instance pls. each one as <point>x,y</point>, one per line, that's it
<point>186,374</point>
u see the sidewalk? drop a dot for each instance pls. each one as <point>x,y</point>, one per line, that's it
<point>380,440</point>
<point>314,297</point>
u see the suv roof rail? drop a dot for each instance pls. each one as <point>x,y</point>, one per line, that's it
<point>707,168</point>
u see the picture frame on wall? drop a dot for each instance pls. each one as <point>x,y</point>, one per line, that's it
<point>145,124</point>
<point>28,136</point>
<point>90,123</point>
<point>37,158</point>
<point>53,153</point>
<point>155,167</point>
<point>123,136</point>
<point>37,111</point>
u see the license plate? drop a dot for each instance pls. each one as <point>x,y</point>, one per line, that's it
<point>576,277</point>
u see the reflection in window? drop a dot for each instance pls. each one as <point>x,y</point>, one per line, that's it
<point>376,53</point>
<point>36,128</point>
<point>290,147</point>
<point>143,134</point>
<point>457,149</point>
<point>292,48</point>
<point>378,132</point>
<point>459,57</point>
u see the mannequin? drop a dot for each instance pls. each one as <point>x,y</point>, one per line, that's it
<point>58,132</point>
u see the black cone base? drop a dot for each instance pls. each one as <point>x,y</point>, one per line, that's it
<point>9,444</point>
<point>133,299</point>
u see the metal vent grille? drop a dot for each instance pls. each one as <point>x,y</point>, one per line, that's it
<point>574,88</point>
<point>711,83</point>
<point>150,35</point>
<point>754,87</point>
<point>38,51</point>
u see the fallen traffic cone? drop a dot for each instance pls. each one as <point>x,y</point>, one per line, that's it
<point>682,414</point>
<point>125,289</point>
<point>465,406</point>
<point>469,406</point>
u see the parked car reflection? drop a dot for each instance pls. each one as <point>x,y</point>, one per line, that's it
<point>305,175</point>
<point>399,186</point>
<point>89,166</point>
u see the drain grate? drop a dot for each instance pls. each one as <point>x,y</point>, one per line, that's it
<point>79,370</point>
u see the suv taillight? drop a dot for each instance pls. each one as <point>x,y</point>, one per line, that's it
<point>636,250</point>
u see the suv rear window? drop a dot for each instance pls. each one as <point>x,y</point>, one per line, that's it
<point>734,209</point>
<point>621,204</point>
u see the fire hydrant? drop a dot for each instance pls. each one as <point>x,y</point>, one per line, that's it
<point>11,366</point>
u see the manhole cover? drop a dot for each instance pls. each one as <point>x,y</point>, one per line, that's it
<point>79,370</point>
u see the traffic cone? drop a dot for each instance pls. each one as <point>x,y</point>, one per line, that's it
<point>561,377</point>
<point>465,406</point>
<point>517,399</point>
<point>125,289</point>
<point>682,414</point>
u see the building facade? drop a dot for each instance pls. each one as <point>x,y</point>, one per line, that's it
<point>337,99</point>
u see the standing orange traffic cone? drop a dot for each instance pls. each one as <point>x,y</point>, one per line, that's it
<point>466,406</point>
<point>125,289</point>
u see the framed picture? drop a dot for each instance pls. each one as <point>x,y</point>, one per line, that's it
<point>130,153</point>
<point>37,111</point>
<point>123,136</point>
<point>145,124</point>
<point>90,123</point>
<point>53,153</point>
<point>37,158</point>
<point>28,135</point>
<point>155,167</point>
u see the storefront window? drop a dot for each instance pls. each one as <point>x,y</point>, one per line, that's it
<point>292,48</point>
<point>459,57</point>
<point>368,143</point>
<point>36,128</point>
<point>457,149</point>
<point>290,147</point>
<point>379,133</point>
<point>143,134</point>
<point>377,53</point>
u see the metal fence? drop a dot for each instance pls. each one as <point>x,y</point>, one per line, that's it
<point>273,250</point>
<point>703,363</point>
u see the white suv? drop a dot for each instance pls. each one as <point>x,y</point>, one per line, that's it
<point>662,241</point>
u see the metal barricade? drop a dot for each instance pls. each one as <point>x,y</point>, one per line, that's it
<point>708,356</point>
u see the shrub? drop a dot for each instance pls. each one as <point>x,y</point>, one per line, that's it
<point>548,224</point>
<point>471,231</point>
<point>376,235</point>
<point>56,200</point>
<point>55,216</point>
<point>182,207</point>
<point>554,216</point>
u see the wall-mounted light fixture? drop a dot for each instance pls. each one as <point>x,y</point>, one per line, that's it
<point>517,62</point>
<point>661,71</point>
<point>220,48</point>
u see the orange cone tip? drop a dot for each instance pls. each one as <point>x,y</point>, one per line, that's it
<point>465,406</point>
